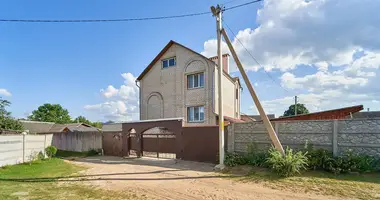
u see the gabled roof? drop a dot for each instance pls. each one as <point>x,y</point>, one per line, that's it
<point>44,127</point>
<point>37,127</point>
<point>162,52</point>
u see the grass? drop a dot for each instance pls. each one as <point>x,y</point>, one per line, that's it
<point>51,168</point>
<point>360,186</point>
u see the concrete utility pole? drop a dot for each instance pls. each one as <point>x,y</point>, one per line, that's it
<point>217,12</point>
<point>276,142</point>
<point>295,105</point>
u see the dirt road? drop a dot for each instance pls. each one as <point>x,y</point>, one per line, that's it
<point>177,180</point>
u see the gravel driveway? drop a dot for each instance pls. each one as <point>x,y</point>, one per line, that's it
<point>177,180</point>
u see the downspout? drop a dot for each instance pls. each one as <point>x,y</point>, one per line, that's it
<point>139,98</point>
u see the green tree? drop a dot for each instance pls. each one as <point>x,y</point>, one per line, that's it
<point>82,119</point>
<point>51,113</point>
<point>6,120</point>
<point>301,109</point>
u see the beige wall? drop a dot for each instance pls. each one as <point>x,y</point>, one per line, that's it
<point>170,86</point>
<point>231,105</point>
<point>164,92</point>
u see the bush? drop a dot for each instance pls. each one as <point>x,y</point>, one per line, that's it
<point>51,151</point>
<point>317,158</point>
<point>234,159</point>
<point>287,165</point>
<point>40,156</point>
<point>92,152</point>
<point>351,162</point>
<point>255,157</point>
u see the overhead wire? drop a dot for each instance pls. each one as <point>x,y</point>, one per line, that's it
<point>257,62</point>
<point>121,19</point>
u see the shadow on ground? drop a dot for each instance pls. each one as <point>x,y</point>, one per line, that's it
<point>172,164</point>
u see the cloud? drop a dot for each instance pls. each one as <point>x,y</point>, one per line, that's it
<point>314,102</point>
<point>318,33</point>
<point>4,92</point>
<point>109,92</point>
<point>121,104</point>
<point>326,51</point>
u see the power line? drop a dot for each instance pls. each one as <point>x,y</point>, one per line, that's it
<point>118,20</point>
<point>244,4</point>
<point>254,57</point>
<point>228,2</point>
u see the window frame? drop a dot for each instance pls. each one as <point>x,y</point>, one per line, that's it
<point>193,80</point>
<point>168,60</point>
<point>193,112</point>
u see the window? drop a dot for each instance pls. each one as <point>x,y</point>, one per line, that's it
<point>170,62</point>
<point>195,114</point>
<point>195,80</point>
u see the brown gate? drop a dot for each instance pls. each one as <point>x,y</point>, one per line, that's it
<point>112,143</point>
<point>154,138</point>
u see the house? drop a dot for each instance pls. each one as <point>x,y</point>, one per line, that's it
<point>181,83</point>
<point>50,127</point>
<point>340,113</point>
<point>250,118</point>
<point>366,115</point>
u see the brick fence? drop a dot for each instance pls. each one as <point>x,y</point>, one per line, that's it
<point>338,136</point>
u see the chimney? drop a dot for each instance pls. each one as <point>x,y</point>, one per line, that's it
<point>225,61</point>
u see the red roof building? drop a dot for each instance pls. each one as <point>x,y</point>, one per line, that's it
<point>341,113</point>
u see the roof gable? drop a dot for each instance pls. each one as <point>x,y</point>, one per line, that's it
<point>166,48</point>
<point>162,52</point>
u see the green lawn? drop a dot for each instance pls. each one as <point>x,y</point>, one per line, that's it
<point>35,186</point>
<point>365,186</point>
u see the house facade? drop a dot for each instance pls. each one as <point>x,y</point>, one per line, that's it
<point>180,82</point>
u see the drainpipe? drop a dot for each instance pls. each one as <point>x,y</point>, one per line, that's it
<point>139,98</point>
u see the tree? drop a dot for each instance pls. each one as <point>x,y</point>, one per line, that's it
<point>51,113</point>
<point>82,119</point>
<point>109,122</point>
<point>301,109</point>
<point>6,120</point>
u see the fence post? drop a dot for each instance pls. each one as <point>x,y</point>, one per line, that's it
<point>44,145</point>
<point>276,128</point>
<point>231,138</point>
<point>23,148</point>
<point>335,138</point>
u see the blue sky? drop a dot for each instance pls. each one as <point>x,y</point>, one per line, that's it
<point>70,63</point>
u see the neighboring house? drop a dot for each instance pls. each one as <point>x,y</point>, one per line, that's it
<point>45,127</point>
<point>249,118</point>
<point>180,82</point>
<point>341,113</point>
<point>366,115</point>
<point>111,127</point>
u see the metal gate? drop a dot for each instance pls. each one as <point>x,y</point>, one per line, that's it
<point>153,138</point>
<point>112,143</point>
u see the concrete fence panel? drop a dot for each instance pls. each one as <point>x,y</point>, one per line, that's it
<point>15,149</point>
<point>360,135</point>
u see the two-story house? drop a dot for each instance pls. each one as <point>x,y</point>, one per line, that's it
<point>180,82</point>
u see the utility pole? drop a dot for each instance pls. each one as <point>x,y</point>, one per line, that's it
<point>295,105</point>
<point>217,12</point>
<point>272,134</point>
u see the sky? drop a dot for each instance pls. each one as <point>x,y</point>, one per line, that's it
<point>327,52</point>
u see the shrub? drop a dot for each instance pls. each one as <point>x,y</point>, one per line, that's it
<point>234,159</point>
<point>92,152</point>
<point>51,151</point>
<point>317,158</point>
<point>255,157</point>
<point>351,162</point>
<point>40,156</point>
<point>287,165</point>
